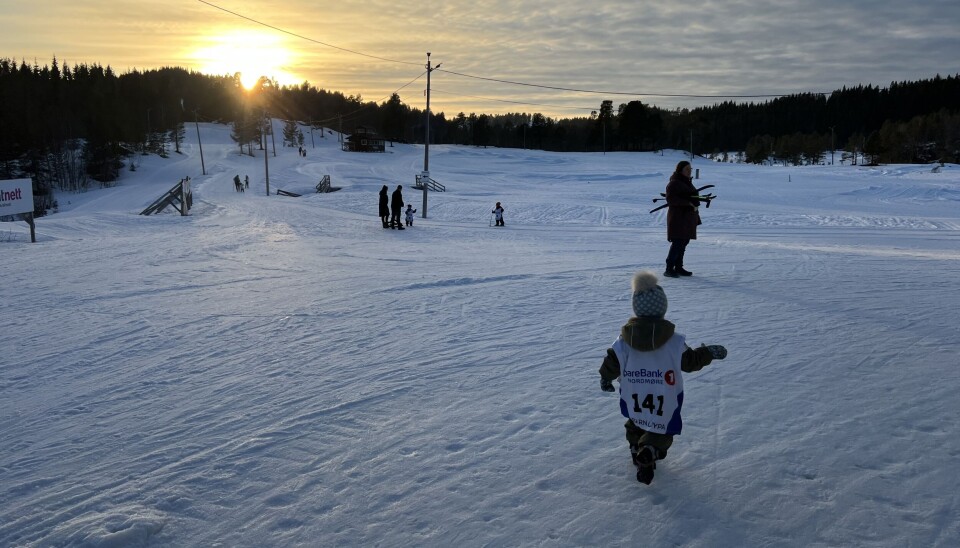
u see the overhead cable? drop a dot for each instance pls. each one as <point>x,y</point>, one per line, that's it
<point>278,29</point>
<point>602,92</point>
<point>502,81</point>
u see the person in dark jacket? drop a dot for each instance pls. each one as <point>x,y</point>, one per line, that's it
<point>682,218</point>
<point>384,207</point>
<point>648,358</point>
<point>396,208</point>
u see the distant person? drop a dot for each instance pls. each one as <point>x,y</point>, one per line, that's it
<point>384,207</point>
<point>246,181</point>
<point>396,208</point>
<point>682,218</point>
<point>648,357</point>
<point>498,214</point>
<point>409,215</point>
<point>236,182</point>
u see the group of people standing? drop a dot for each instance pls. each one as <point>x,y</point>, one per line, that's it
<point>241,186</point>
<point>683,215</point>
<point>392,208</point>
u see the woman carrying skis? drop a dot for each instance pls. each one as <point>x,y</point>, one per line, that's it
<point>682,218</point>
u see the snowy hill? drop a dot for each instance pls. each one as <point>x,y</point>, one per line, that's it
<point>276,371</point>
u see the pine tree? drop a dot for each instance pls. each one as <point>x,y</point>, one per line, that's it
<point>246,130</point>
<point>177,134</point>
<point>290,131</point>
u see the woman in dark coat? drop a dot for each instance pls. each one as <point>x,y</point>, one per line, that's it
<point>682,218</point>
<point>384,207</point>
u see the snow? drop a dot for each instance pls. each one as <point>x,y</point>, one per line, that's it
<point>283,371</point>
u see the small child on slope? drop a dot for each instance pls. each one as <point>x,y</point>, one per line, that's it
<point>409,215</point>
<point>648,358</point>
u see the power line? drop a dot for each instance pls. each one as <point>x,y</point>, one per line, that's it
<point>502,81</point>
<point>602,92</point>
<point>365,107</point>
<point>278,29</point>
<point>512,102</point>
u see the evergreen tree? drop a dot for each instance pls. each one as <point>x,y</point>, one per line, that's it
<point>290,131</point>
<point>392,119</point>
<point>872,149</point>
<point>177,135</point>
<point>246,130</point>
<point>759,149</point>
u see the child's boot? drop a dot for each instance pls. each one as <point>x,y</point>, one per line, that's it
<point>646,462</point>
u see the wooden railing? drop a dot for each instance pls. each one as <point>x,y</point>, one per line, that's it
<point>431,184</point>
<point>180,197</point>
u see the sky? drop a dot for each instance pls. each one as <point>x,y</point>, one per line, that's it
<point>282,371</point>
<point>627,50</point>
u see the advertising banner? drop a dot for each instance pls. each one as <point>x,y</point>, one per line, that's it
<point>16,196</point>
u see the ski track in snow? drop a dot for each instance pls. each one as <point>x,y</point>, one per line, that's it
<point>283,371</point>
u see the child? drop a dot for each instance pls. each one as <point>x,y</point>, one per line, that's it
<point>498,212</point>
<point>648,358</point>
<point>409,214</point>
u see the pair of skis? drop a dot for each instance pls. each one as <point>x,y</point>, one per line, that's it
<point>698,196</point>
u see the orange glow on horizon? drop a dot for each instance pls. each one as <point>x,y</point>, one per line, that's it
<point>252,54</point>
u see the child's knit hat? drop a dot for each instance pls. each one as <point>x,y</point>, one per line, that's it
<point>649,300</point>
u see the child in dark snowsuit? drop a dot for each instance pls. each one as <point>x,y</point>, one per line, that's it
<point>648,358</point>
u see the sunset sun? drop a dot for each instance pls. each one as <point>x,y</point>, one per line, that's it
<point>252,54</point>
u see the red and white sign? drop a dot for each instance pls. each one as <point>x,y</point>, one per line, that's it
<point>16,196</point>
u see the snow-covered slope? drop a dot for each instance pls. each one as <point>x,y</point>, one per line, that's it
<point>283,371</point>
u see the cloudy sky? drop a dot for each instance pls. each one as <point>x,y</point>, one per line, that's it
<point>640,49</point>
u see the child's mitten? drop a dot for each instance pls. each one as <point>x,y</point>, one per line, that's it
<point>717,351</point>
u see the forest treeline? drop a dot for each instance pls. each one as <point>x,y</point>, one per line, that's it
<point>70,127</point>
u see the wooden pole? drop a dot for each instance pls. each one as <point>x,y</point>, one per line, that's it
<point>33,228</point>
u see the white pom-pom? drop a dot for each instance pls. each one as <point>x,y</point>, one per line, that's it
<point>644,281</point>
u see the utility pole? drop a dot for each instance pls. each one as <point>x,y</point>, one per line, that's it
<point>312,144</point>
<point>831,145</point>
<point>146,141</point>
<point>202,165</point>
<point>691,145</point>
<point>266,161</point>
<point>425,176</point>
<point>273,140</point>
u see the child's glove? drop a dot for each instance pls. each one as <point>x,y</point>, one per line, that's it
<point>606,386</point>
<point>717,351</point>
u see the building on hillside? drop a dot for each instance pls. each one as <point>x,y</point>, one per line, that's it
<point>363,139</point>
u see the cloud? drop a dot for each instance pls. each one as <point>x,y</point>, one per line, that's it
<point>737,47</point>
